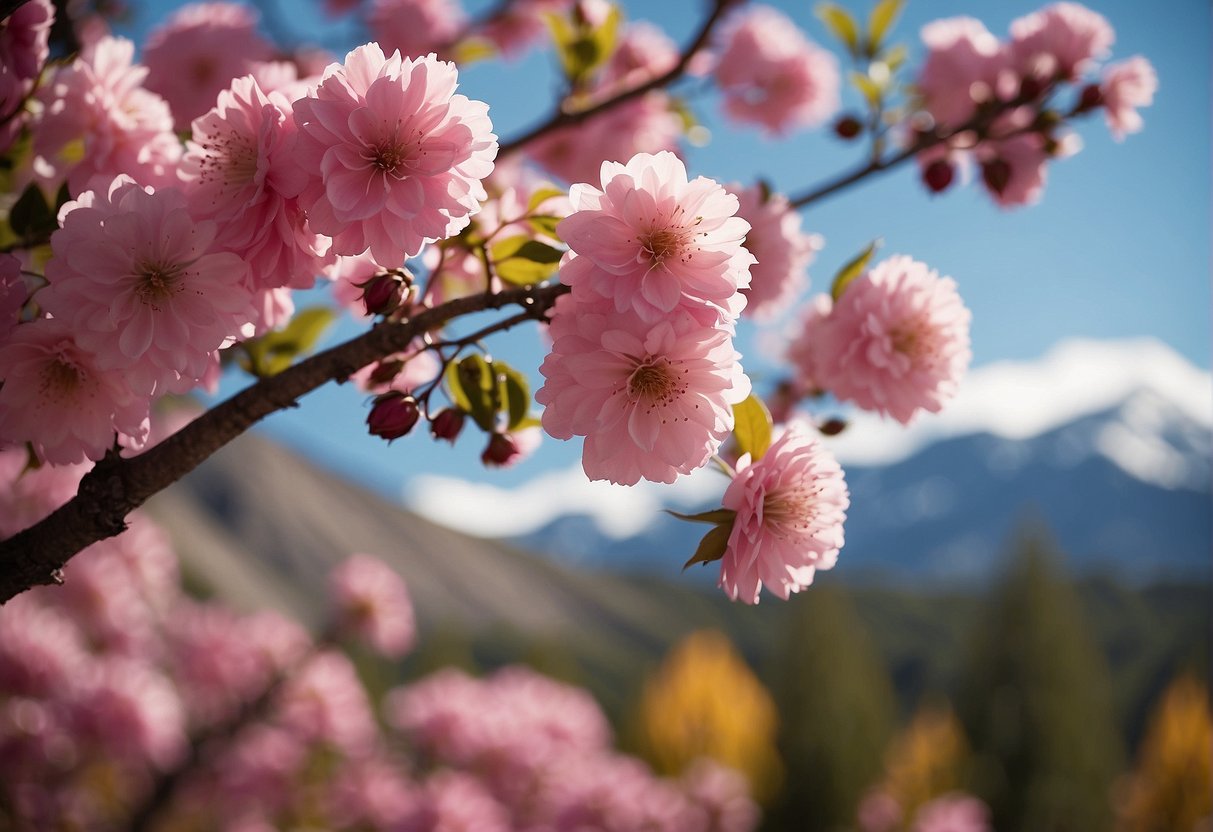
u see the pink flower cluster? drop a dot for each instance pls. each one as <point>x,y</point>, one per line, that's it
<point>879,811</point>
<point>168,254</point>
<point>642,361</point>
<point>968,72</point>
<point>104,681</point>
<point>783,252</point>
<point>771,74</point>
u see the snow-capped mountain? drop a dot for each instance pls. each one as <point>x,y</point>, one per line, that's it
<point>1107,444</point>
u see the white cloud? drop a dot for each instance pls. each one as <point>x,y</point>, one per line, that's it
<point>1014,400</point>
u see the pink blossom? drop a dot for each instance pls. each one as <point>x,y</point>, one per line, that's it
<point>457,802</point>
<point>97,120</point>
<point>879,811</point>
<point>953,813</point>
<point>390,158</point>
<point>257,771</point>
<point>41,649</point>
<point>517,25</point>
<point>373,793</point>
<point>653,400</point>
<point>655,240</point>
<point>127,710</point>
<point>198,52</point>
<point>643,53</point>
<point>804,347</point>
<point>790,506</point>
<point>57,398</point>
<point>648,124</point>
<point>324,702</point>
<point>783,252</point>
<point>28,494</point>
<point>722,795</point>
<point>136,276</point>
<point>1126,86</point>
<point>24,48</point>
<point>961,69</point>
<point>373,605</point>
<point>613,793</point>
<point>1014,169</point>
<point>1059,41</point>
<point>771,74</point>
<point>897,341</point>
<point>416,27</point>
<point>235,173</point>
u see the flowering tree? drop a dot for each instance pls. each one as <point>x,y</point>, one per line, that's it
<point>139,265</point>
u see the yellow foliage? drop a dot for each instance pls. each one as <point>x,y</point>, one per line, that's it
<point>704,701</point>
<point>1172,787</point>
<point>926,760</point>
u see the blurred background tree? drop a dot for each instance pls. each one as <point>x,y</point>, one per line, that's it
<point>1035,701</point>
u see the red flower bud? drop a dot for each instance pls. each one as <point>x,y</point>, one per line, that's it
<point>500,451</point>
<point>385,372</point>
<point>447,424</point>
<point>381,295</point>
<point>848,127</point>
<point>832,427</point>
<point>1090,98</point>
<point>996,173</point>
<point>938,175</point>
<point>392,415</point>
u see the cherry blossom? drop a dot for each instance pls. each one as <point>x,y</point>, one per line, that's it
<point>372,605</point>
<point>783,252</point>
<point>1125,87</point>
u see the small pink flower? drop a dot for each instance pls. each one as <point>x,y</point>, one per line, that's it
<point>1014,170</point>
<point>415,27</point>
<point>24,48</point>
<point>1126,86</point>
<point>772,75</point>
<point>372,604</point>
<point>234,170</point>
<point>722,795</point>
<point>127,710</point>
<point>644,52</point>
<point>653,241</point>
<point>897,340</point>
<point>804,347</point>
<point>953,813</point>
<point>29,494</point>
<point>653,400</point>
<point>453,801</point>
<point>198,52</point>
<point>648,124</point>
<point>41,649</point>
<point>1059,41</point>
<point>389,157</point>
<point>325,702</point>
<point>879,811</point>
<point>961,69</point>
<point>56,396</point>
<point>97,120</point>
<point>790,506</point>
<point>138,279</point>
<point>782,250</point>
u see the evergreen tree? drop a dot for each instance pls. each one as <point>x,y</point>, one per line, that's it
<point>1035,702</point>
<point>836,709</point>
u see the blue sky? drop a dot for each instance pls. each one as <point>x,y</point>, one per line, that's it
<point>1118,247</point>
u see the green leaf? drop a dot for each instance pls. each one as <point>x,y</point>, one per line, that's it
<point>712,547</point>
<point>523,261</point>
<point>870,90</point>
<point>853,269</point>
<point>273,352</point>
<point>582,50</point>
<point>516,394</point>
<point>545,224</point>
<point>896,56</point>
<point>31,218</point>
<point>752,427</point>
<point>841,24</point>
<point>454,386</point>
<point>880,21</point>
<point>541,196</point>
<point>477,383</point>
<point>470,50</point>
<point>715,516</point>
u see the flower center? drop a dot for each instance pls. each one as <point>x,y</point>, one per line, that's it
<point>61,378</point>
<point>662,243</point>
<point>158,282</point>
<point>909,340</point>
<point>651,382</point>
<point>789,511</point>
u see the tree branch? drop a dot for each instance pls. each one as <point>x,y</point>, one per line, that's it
<point>566,118</point>
<point>116,486</point>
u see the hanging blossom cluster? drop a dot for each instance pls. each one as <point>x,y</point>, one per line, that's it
<point>105,681</point>
<point>969,73</point>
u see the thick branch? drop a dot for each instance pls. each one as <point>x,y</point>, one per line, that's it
<point>117,486</point>
<point>566,118</point>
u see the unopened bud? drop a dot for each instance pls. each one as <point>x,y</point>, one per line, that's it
<point>1030,88</point>
<point>382,294</point>
<point>392,415</point>
<point>938,175</point>
<point>832,427</point>
<point>996,173</point>
<point>1091,97</point>
<point>848,127</point>
<point>500,451</point>
<point>448,424</point>
<point>385,372</point>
